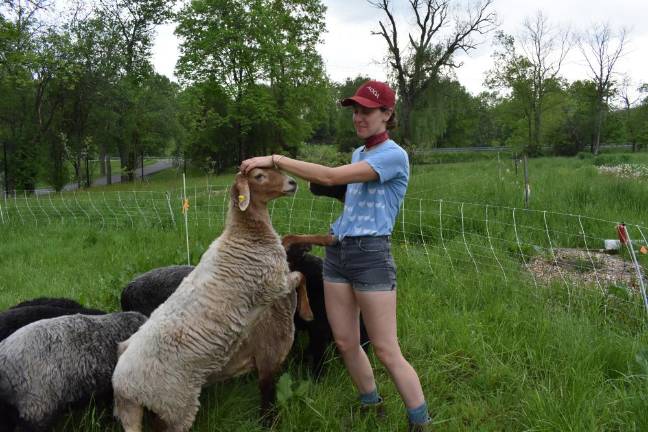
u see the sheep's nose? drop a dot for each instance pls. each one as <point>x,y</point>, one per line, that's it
<point>292,182</point>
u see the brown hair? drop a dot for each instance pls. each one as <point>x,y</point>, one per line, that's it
<point>391,123</point>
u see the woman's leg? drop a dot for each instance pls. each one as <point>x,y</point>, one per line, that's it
<point>379,315</point>
<point>344,316</point>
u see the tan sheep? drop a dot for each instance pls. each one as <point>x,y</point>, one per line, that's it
<point>197,330</point>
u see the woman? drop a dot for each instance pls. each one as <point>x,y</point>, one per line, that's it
<point>359,271</point>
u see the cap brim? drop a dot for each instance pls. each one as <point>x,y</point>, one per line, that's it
<point>367,103</point>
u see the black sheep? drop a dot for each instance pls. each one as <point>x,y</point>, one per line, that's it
<point>149,290</point>
<point>338,191</point>
<point>17,317</point>
<point>50,301</point>
<point>320,336</point>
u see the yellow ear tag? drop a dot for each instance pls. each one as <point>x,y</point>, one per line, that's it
<point>241,198</point>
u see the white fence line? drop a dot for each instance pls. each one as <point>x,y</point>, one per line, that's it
<point>505,241</point>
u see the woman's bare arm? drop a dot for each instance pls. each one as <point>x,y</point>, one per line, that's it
<point>358,172</point>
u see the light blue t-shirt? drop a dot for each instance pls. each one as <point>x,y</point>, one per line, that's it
<point>370,208</point>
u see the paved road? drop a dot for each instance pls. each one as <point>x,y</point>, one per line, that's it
<point>148,170</point>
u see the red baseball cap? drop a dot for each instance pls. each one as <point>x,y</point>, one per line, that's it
<point>372,94</point>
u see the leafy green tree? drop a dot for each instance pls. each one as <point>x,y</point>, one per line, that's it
<point>575,127</point>
<point>32,61</point>
<point>132,24</point>
<point>203,111</point>
<point>264,55</point>
<point>530,77</point>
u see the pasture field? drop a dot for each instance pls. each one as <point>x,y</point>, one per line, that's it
<point>497,347</point>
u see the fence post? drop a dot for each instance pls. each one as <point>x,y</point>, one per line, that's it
<point>168,200</point>
<point>624,236</point>
<point>527,186</point>
<point>185,210</point>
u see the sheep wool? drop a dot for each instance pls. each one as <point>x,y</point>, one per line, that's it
<point>51,364</point>
<point>195,332</point>
<point>149,290</point>
<point>264,348</point>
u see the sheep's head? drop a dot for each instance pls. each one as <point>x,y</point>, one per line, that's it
<point>261,185</point>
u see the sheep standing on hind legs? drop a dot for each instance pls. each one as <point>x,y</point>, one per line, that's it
<point>196,331</point>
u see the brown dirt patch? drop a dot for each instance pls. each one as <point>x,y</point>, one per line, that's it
<point>577,266</point>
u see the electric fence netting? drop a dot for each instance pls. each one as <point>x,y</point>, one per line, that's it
<point>541,247</point>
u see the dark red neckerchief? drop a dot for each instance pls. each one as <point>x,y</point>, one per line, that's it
<point>374,140</point>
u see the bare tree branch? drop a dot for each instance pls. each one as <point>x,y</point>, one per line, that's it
<point>601,48</point>
<point>428,53</point>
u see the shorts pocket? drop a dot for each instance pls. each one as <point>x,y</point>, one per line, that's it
<point>373,245</point>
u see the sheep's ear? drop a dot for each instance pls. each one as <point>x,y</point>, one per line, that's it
<point>242,192</point>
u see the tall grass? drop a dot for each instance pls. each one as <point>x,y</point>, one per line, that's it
<point>494,352</point>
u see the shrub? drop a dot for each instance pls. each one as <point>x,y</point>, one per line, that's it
<point>323,155</point>
<point>611,159</point>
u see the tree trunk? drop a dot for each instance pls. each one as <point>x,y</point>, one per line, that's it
<point>7,178</point>
<point>596,145</point>
<point>123,162</point>
<point>108,169</point>
<point>536,132</point>
<point>87,167</point>
<point>102,163</point>
<point>77,171</point>
<point>241,143</point>
<point>529,147</point>
<point>405,124</point>
<point>131,163</point>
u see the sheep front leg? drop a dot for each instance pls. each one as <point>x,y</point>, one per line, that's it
<point>129,413</point>
<point>307,239</point>
<point>268,390</point>
<point>297,281</point>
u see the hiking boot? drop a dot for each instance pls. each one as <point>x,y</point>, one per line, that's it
<point>420,427</point>
<point>378,408</point>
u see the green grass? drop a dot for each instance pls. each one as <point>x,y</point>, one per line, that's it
<point>494,353</point>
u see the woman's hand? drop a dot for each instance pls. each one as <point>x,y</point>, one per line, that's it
<point>256,162</point>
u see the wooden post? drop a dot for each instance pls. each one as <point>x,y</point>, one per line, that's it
<point>516,161</point>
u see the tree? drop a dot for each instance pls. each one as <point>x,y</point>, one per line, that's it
<point>513,72</point>
<point>574,127</point>
<point>631,112</point>
<point>133,23</point>
<point>534,73</point>
<point>263,52</point>
<point>601,47</point>
<point>545,48</point>
<point>31,61</point>
<point>429,54</point>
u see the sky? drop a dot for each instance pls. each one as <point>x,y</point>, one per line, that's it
<point>349,49</point>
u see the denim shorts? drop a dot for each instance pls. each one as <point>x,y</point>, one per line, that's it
<point>364,262</point>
